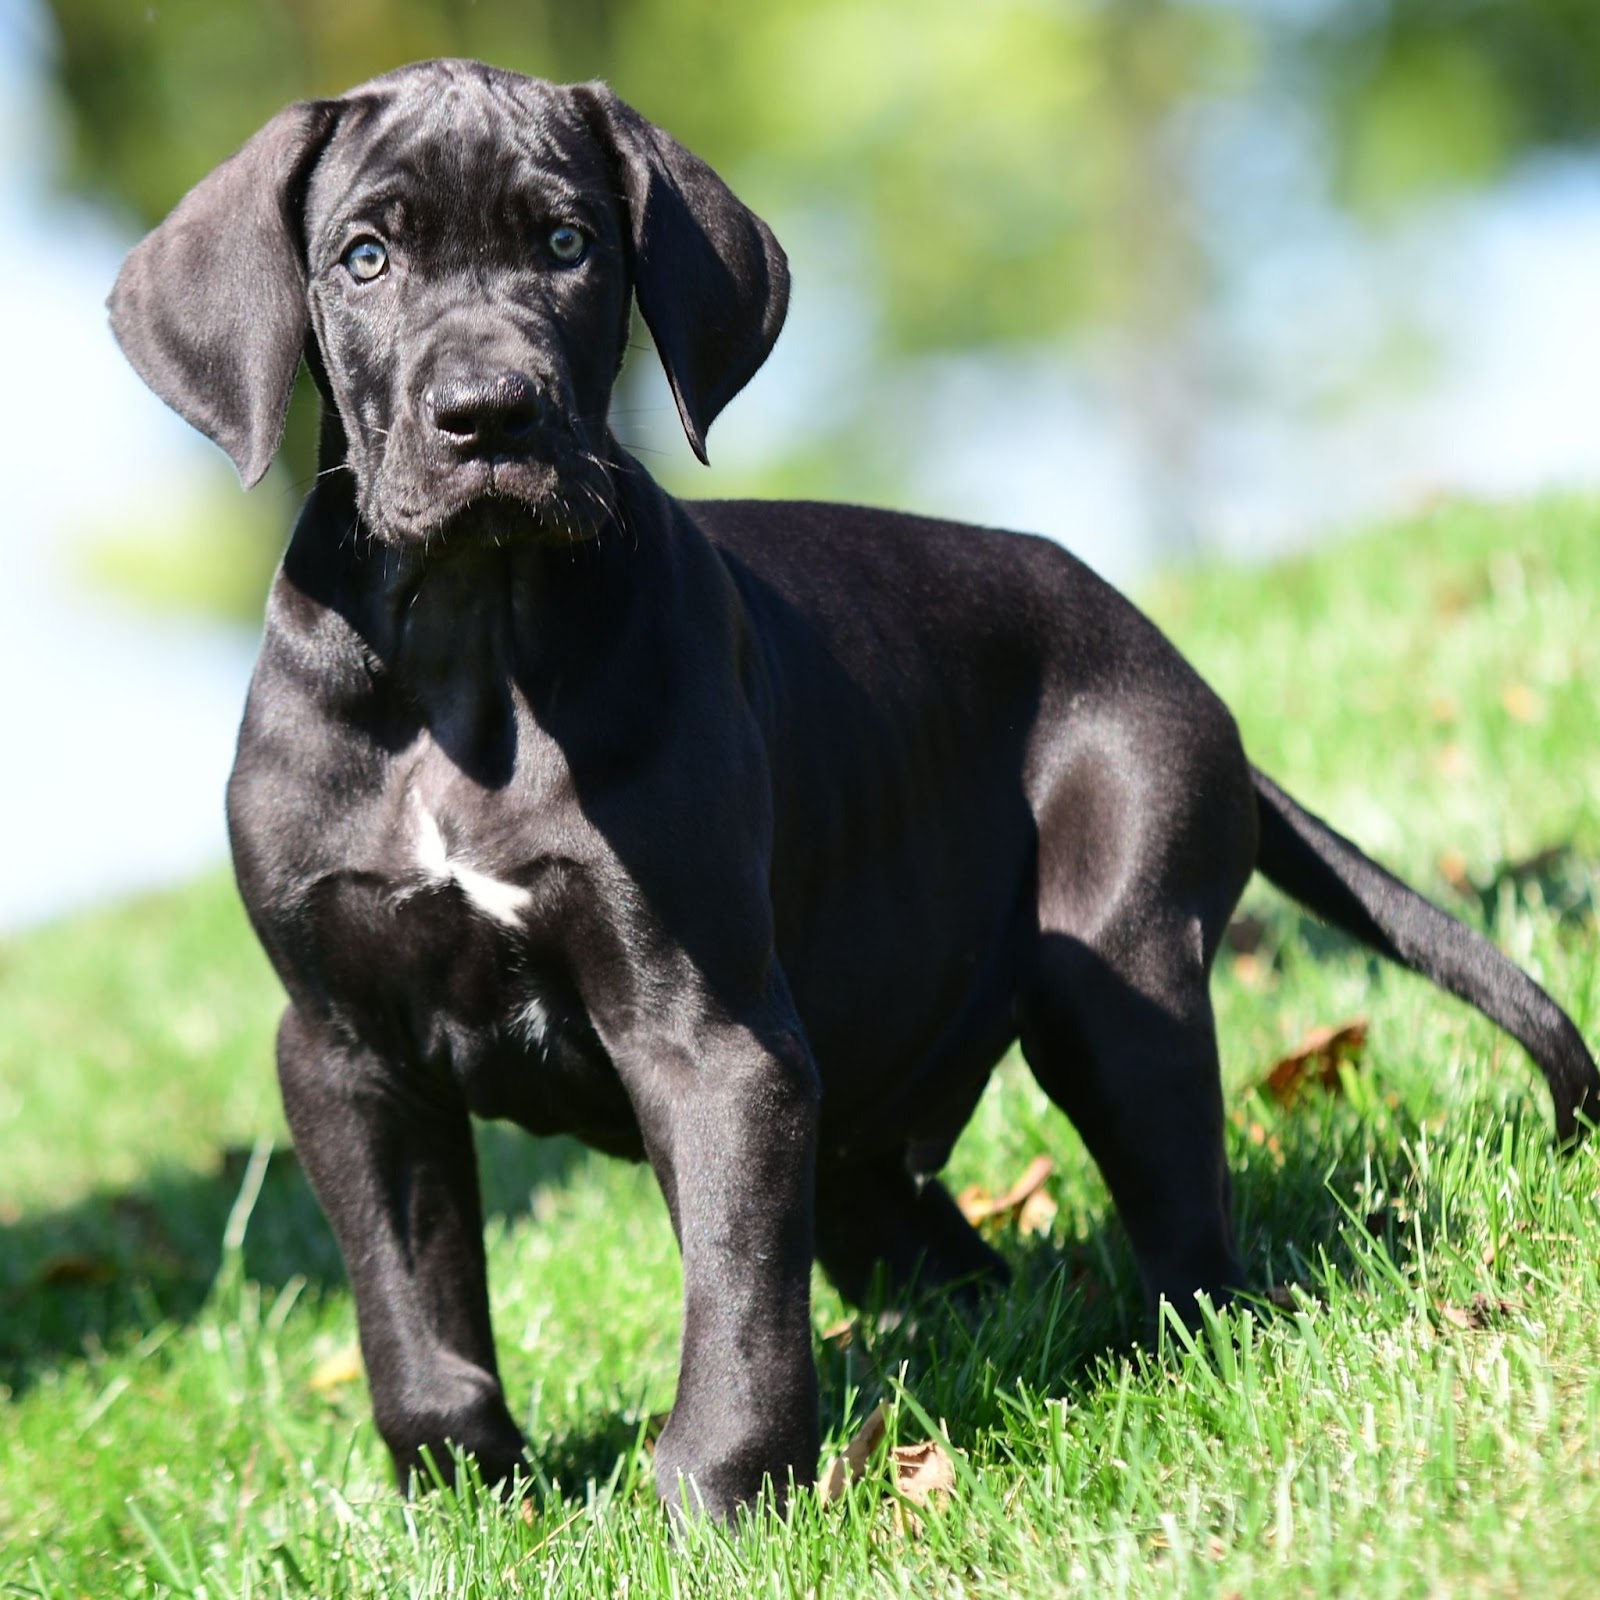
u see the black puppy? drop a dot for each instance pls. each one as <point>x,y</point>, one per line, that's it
<point>743,838</point>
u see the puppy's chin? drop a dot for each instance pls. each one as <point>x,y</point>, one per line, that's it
<point>523,503</point>
<point>500,521</point>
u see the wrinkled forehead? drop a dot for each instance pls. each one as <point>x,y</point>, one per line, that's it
<point>452,141</point>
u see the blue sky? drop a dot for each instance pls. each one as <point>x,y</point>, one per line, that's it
<point>119,728</point>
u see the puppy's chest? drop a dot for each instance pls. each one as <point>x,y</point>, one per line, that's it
<point>470,873</point>
<point>440,940</point>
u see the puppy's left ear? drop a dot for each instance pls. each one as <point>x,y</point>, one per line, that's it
<point>711,281</point>
<point>211,307</point>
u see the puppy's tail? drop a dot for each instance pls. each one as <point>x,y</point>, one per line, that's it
<point>1327,874</point>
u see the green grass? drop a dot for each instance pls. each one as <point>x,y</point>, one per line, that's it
<point>1426,1422</point>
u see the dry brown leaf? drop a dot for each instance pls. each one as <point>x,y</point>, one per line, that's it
<point>841,1334</point>
<point>1522,703</point>
<point>1316,1061</point>
<point>1036,1213</point>
<point>1250,970</point>
<point>978,1205</point>
<point>923,1476</point>
<point>853,1462</point>
<point>923,1472</point>
<point>1483,1312</point>
<point>333,1372</point>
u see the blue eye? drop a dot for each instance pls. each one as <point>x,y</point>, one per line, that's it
<point>567,244</point>
<point>366,260</point>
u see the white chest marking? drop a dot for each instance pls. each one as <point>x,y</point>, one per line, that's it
<point>505,902</point>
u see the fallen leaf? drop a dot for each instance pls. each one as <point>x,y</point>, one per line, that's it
<point>1036,1213</point>
<point>852,1463</point>
<point>923,1472</point>
<point>333,1372</point>
<point>841,1334</point>
<point>1250,970</point>
<point>1483,1312</point>
<point>923,1476</point>
<point>1521,703</point>
<point>978,1205</point>
<point>1316,1061</point>
<point>1453,869</point>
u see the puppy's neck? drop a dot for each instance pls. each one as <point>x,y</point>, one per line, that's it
<point>464,641</point>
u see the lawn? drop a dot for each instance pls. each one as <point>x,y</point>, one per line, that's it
<point>1415,1410</point>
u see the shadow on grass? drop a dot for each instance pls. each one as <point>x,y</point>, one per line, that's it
<point>116,1265</point>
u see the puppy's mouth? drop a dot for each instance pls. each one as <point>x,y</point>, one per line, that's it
<point>506,499</point>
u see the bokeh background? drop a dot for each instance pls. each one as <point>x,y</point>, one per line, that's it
<point>1168,280</point>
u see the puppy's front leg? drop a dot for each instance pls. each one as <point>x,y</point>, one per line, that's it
<point>395,1170</point>
<point>730,1127</point>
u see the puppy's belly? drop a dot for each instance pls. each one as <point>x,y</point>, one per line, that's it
<point>543,1067</point>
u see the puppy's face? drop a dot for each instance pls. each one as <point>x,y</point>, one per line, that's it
<point>454,249</point>
<point>468,287</point>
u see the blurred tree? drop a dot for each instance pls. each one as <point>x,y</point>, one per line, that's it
<point>1000,165</point>
<point>1426,94</point>
<point>1009,171</point>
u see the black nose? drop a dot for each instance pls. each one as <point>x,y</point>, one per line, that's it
<point>484,413</point>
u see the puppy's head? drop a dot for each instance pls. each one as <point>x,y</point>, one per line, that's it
<point>453,249</point>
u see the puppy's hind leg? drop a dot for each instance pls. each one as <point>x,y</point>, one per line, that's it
<point>1114,1010</point>
<point>1134,1065</point>
<point>874,1215</point>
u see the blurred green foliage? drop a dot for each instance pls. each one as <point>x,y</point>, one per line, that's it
<point>990,153</point>
<point>1421,94</point>
<point>1000,156</point>
<point>986,175</point>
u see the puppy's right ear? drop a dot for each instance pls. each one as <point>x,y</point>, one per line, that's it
<point>211,307</point>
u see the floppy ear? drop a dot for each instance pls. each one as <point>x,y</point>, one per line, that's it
<point>211,307</point>
<point>711,281</point>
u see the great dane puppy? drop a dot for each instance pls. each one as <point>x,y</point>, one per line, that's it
<point>743,837</point>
